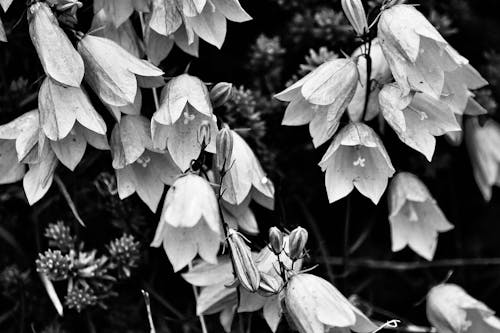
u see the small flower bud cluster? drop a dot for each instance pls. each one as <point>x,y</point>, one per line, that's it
<point>79,298</point>
<point>297,243</point>
<point>59,236</point>
<point>124,253</point>
<point>54,264</point>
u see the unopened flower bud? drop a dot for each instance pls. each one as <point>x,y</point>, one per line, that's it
<point>269,284</point>
<point>297,243</point>
<point>244,266</point>
<point>276,240</point>
<point>224,148</point>
<point>356,15</point>
<point>204,134</point>
<point>220,93</point>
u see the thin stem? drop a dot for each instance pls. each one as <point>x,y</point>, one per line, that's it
<point>200,316</point>
<point>368,75</point>
<point>411,265</point>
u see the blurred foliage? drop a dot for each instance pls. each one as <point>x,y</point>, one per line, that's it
<point>284,41</point>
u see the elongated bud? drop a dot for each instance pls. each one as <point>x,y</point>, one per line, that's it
<point>204,134</point>
<point>356,15</point>
<point>269,284</point>
<point>224,148</point>
<point>244,266</point>
<point>297,243</point>
<point>220,93</point>
<point>276,240</point>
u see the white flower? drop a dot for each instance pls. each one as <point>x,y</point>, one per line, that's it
<point>417,118</point>
<point>451,310</point>
<point>419,57</point>
<point>321,97</point>
<point>380,75</point>
<point>245,177</point>
<point>415,217</point>
<point>315,306</point>
<point>356,158</point>
<point>190,222</point>
<point>483,143</point>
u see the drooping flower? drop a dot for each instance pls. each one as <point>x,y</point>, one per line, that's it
<point>111,71</point>
<point>417,118</point>
<point>315,306</point>
<point>190,222</point>
<point>185,106</point>
<point>419,57</point>
<point>139,167</point>
<point>240,217</point>
<point>58,56</point>
<point>416,219</point>
<point>197,17</point>
<point>380,75</point>
<point>451,310</point>
<point>483,143</point>
<point>60,107</point>
<point>245,177</point>
<point>320,98</point>
<point>356,158</point>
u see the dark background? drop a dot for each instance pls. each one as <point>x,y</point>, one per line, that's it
<point>290,28</point>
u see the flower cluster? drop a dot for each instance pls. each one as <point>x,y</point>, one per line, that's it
<point>90,278</point>
<point>410,78</point>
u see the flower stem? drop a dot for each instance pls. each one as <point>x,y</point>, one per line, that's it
<point>368,75</point>
<point>347,222</point>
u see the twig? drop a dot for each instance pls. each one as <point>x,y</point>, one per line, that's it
<point>68,199</point>
<point>317,234</point>
<point>347,223</point>
<point>410,265</point>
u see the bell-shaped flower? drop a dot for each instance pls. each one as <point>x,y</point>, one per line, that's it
<point>139,167</point>
<point>419,57</point>
<point>313,305</point>
<point>416,219</point>
<point>380,75</point>
<point>60,107</point>
<point>321,97</point>
<point>245,177</point>
<point>185,106</point>
<point>111,71</point>
<point>58,56</point>
<point>201,18</point>
<point>356,158</point>
<point>190,222</point>
<point>417,119</point>
<point>451,310</point>
<point>483,143</point>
